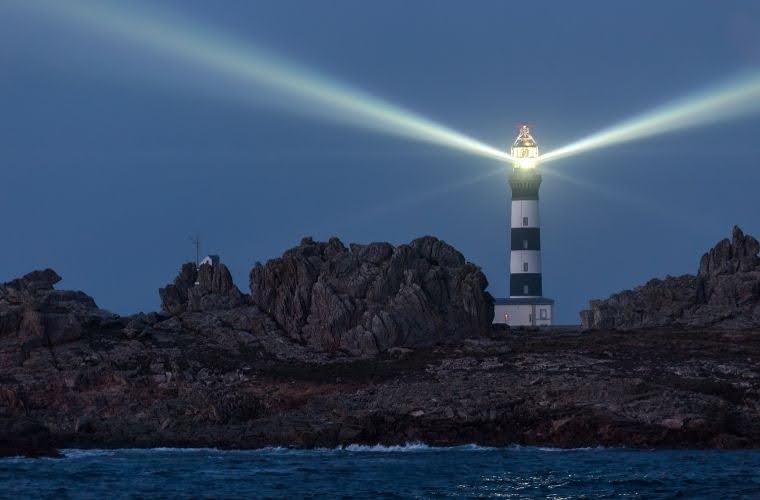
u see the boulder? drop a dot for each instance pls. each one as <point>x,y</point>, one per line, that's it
<point>369,298</point>
<point>37,314</point>
<point>174,296</point>
<point>724,293</point>
<point>208,287</point>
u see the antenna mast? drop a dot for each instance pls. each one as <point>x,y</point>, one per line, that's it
<point>196,240</point>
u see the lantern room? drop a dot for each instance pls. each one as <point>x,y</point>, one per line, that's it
<point>524,149</point>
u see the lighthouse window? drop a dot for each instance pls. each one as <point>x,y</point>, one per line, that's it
<point>542,313</point>
<point>525,221</point>
<point>525,289</point>
<point>525,267</point>
<point>525,244</point>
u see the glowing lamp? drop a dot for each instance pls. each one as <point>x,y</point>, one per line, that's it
<point>524,149</point>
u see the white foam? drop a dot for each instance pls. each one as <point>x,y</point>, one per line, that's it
<point>517,447</point>
<point>175,450</point>
<point>409,447</point>
<point>79,453</point>
<point>414,446</point>
<point>109,452</point>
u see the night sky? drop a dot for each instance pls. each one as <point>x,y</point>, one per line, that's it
<point>112,155</point>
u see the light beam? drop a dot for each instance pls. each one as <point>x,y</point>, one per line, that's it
<point>394,205</point>
<point>314,93</point>
<point>735,98</point>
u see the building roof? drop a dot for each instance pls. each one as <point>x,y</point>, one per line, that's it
<point>214,259</point>
<point>539,301</point>
<point>524,139</point>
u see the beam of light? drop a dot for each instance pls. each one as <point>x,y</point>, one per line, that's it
<point>645,205</point>
<point>733,99</point>
<point>420,197</point>
<point>297,88</point>
<point>608,192</point>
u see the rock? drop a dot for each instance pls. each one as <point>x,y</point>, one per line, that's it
<point>399,352</point>
<point>232,378</point>
<point>729,257</point>
<point>673,423</point>
<point>729,441</point>
<point>37,314</point>
<point>209,288</point>
<point>725,293</point>
<point>25,437</point>
<point>174,296</point>
<point>29,286</point>
<point>140,323</point>
<point>367,299</point>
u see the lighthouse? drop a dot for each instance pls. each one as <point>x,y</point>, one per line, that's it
<point>526,305</point>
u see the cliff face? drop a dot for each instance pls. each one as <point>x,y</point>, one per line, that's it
<point>369,298</point>
<point>35,321</point>
<point>724,293</point>
<point>33,314</point>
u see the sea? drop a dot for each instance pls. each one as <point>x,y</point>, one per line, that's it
<point>410,471</point>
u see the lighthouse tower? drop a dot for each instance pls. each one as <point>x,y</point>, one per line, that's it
<point>526,305</point>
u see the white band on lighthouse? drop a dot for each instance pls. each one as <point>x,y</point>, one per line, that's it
<point>524,261</point>
<point>525,213</point>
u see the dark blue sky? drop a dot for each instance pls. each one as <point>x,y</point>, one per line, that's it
<point>110,156</point>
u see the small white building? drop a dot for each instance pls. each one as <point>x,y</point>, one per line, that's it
<point>533,311</point>
<point>210,260</point>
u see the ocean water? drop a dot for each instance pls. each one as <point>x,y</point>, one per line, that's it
<point>411,471</point>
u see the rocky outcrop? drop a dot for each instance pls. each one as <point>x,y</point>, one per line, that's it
<point>208,287</point>
<point>334,300</point>
<point>725,293</point>
<point>33,313</point>
<point>366,299</point>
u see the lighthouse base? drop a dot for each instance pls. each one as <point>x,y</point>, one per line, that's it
<point>527,311</point>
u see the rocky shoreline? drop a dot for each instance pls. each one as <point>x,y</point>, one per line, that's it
<point>633,389</point>
<point>367,344</point>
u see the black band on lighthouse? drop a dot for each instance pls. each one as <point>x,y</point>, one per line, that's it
<point>525,186</point>
<point>526,238</point>
<point>525,284</point>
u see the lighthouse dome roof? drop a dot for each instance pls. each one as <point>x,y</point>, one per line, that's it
<point>524,139</point>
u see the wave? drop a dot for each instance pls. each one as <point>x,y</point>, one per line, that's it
<point>176,450</point>
<point>414,446</point>
<point>517,447</point>
<point>380,448</point>
<point>419,446</point>
<point>88,453</point>
<point>109,452</point>
<point>106,452</point>
<point>409,447</point>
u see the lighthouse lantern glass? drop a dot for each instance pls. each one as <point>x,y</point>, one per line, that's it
<point>525,150</point>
